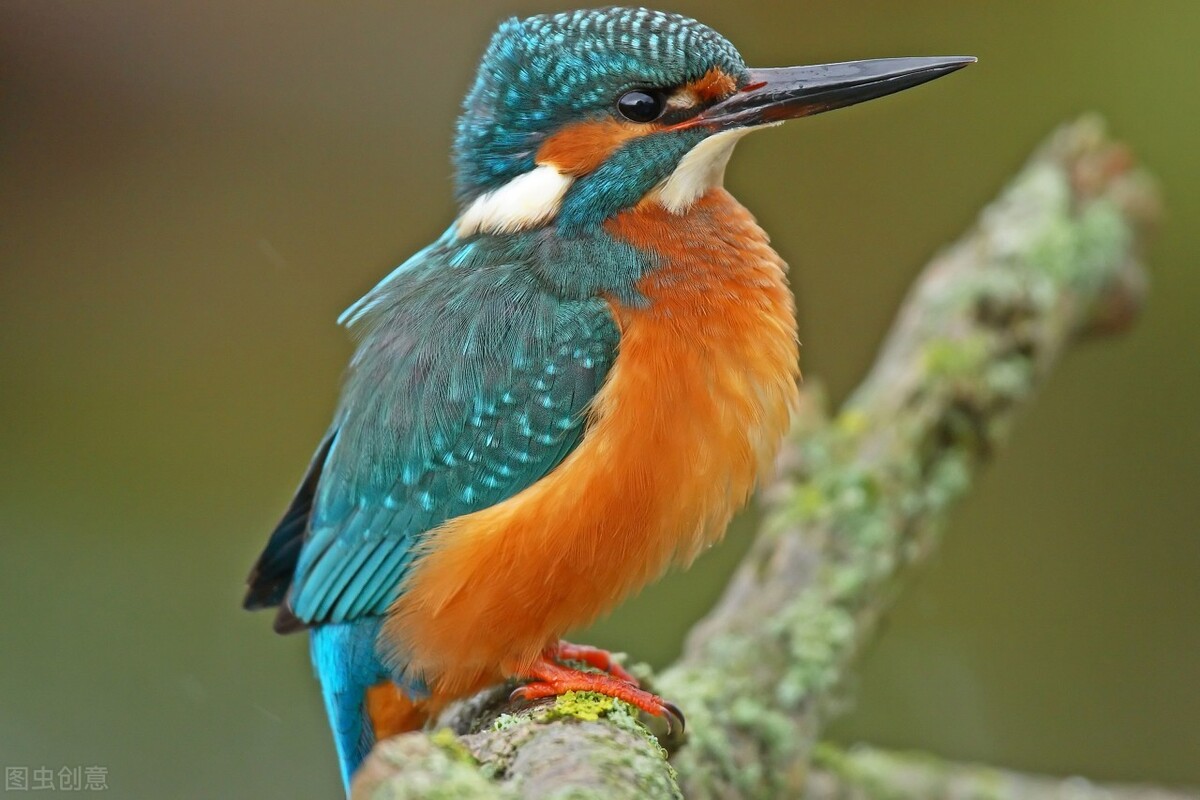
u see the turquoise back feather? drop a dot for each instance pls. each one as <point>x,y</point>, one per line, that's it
<point>471,382</point>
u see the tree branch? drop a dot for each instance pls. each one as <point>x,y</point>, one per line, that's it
<point>857,501</point>
<point>863,498</point>
<point>865,773</point>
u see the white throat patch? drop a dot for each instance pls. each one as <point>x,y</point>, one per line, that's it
<point>701,168</point>
<point>526,201</point>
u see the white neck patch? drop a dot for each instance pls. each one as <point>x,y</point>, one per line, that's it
<point>526,201</point>
<point>701,168</point>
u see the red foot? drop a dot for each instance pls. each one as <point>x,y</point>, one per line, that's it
<point>593,657</point>
<point>554,679</point>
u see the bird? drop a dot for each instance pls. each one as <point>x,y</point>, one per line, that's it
<point>570,391</point>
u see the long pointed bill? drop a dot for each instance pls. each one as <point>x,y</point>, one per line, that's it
<point>774,95</point>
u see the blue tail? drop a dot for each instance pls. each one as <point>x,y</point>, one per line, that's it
<point>346,664</point>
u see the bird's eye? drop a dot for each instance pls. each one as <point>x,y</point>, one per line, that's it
<point>641,106</point>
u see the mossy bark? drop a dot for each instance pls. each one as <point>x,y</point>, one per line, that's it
<point>864,773</point>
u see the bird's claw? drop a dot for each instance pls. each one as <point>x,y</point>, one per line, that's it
<point>552,679</point>
<point>594,657</point>
<point>673,712</point>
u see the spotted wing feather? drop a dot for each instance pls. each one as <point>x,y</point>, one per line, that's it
<point>471,382</point>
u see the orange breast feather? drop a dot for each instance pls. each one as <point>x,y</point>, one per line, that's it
<point>691,413</point>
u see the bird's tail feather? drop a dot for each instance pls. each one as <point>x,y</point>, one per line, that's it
<point>360,699</point>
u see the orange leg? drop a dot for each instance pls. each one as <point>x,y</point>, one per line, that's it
<point>593,657</point>
<point>552,679</point>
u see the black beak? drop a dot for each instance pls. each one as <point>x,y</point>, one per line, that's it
<point>775,95</point>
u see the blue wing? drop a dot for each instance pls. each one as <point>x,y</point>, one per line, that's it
<point>471,382</point>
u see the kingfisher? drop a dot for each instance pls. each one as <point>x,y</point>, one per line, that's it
<point>568,392</point>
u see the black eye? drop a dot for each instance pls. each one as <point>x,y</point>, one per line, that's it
<point>641,106</point>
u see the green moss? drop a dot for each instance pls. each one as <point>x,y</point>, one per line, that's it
<point>773,727</point>
<point>578,793</point>
<point>1011,378</point>
<point>955,359</point>
<point>649,762</point>
<point>817,633</point>
<point>949,480</point>
<point>628,718</point>
<point>835,493</point>
<point>445,739</point>
<point>589,706</point>
<point>420,769</point>
<point>1103,236</point>
<point>861,770</point>
<point>632,769</point>
<point>1082,251</point>
<point>878,775</point>
<point>506,721</point>
<point>1073,247</point>
<point>851,423</point>
<point>809,503</point>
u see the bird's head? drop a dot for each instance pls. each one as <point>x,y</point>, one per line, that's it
<point>576,116</point>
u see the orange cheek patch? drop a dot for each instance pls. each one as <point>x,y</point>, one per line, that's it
<point>713,86</point>
<point>579,148</point>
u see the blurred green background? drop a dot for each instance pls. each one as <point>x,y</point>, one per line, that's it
<point>191,192</point>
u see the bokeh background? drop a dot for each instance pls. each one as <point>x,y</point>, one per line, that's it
<point>191,192</point>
